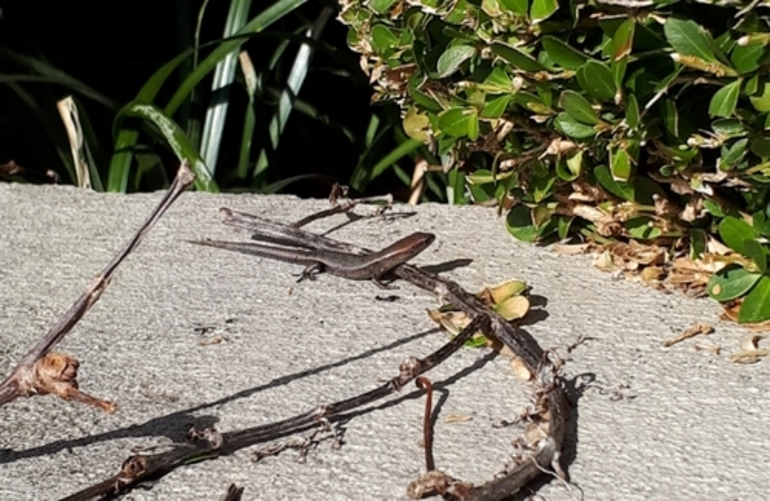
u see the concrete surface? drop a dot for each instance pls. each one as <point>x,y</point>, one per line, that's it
<point>691,425</point>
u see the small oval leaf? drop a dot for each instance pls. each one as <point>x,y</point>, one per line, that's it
<point>731,283</point>
<point>756,306</point>
<point>597,79</point>
<point>734,232</point>
<point>542,9</point>
<point>724,101</point>
<point>578,107</point>
<point>620,165</point>
<point>569,126</point>
<point>562,54</point>
<point>519,224</point>
<point>517,58</point>
<point>686,37</point>
<point>452,58</point>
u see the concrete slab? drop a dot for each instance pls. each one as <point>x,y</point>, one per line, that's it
<point>691,425</point>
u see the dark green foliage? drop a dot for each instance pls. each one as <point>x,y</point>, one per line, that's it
<point>647,123</point>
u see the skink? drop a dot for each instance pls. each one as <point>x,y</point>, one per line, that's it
<point>353,266</point>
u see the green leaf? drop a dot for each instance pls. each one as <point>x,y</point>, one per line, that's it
<point>498,82</point>
<point>452,58</point>
<point>383,39</point>
<point>725,100</point>
<point>223,78</point>
<point>732,154</point>
<point>458,122</point>
<point>632,112</point>
<point>623,40</point>
<point>713,208</point>
<point>519,223</point>
<point>761,148</point>
<point>597,79</point>
<point>496,107</point>
<point>731,283</point>
<point>380,6</point>
<point>517,58</point>
<point>417,125</point>
<point>542,187</point>
<point>728,127</point>
<point>620,165</point>
<point>746,59</point>
<point>761,102</point>
<point>569,126</point>
<point>670,116</point>
<point>757,253</point>
<point>562,54</point>
<point>578,108</point>
<point>697,243</point>
<point>563,224</point>
<point>516,6</point>
<point>686,37</point>
<point>176,138</point>
<point>639,228</point>
<point>756,306</point>
<point>570,169</point>
<point>734,232</point>
<point>542,9</point>
<point>619,189</point>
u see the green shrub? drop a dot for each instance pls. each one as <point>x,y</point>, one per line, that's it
<point>593,119</point>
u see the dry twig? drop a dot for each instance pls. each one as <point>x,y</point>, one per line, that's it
<point>40,371</point>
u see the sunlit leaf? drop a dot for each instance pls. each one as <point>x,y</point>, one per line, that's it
<point>519,224</point>
<point>686,37</point>
<point>578,107</point>
<point>596,78</point>
<point>452,58</point>
<point>176,139</point>
<point>542,9</point>
<point>562,54</point>
<point>756,305</point>
<point>734,232</point>
<point>725,100</point>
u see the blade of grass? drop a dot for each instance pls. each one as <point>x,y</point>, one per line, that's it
<point>126,138</point>
<point>176,138</point>
<point>224,74</point>
<point>69,115</point>
<point>294,83</point>
<point>249,121</point>
<point>55,75</point>
<point>257,24</point>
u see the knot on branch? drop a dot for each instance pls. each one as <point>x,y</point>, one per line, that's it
<point>132,470</point>
<point>56,373</point>
<point>439,483</point>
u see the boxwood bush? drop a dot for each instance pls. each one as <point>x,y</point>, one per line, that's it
<point>607,120</point>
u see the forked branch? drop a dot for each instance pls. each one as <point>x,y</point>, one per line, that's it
<point>40,371</point>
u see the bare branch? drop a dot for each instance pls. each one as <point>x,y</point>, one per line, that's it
<point>41,372</point>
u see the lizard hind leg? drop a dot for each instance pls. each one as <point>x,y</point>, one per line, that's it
<point>311,271</point>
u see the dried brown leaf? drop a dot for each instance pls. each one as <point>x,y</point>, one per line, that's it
<point>572,249</point>
<point>457,418</point>
<point>710,347</point>
<point>692,331</point>
<point>513,308</point>
<point>749,357</point>
<point>520,369</point>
